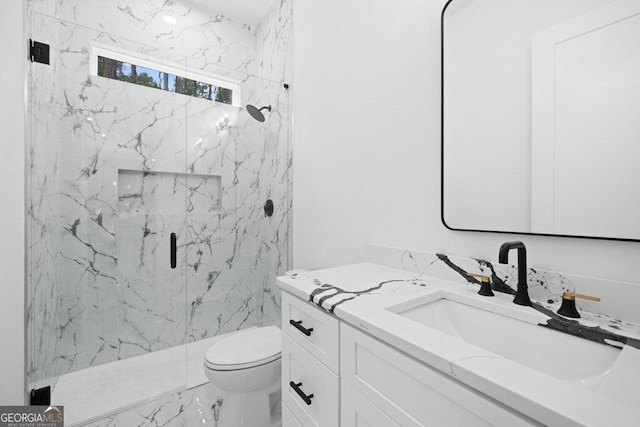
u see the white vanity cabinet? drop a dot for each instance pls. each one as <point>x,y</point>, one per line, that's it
<point>411,393</point>
<point>310,364</point>
<point>356,410</point>
<point>357,380</point>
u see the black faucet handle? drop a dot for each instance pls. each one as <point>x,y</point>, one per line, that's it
<point>485,284</point>
<point>568,307</point>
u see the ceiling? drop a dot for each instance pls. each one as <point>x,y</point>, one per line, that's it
<point>243,11</point>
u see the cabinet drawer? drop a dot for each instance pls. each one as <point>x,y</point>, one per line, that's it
<point>316,331</point>
<point>411,393</point>
<point>357,411</point>
<point>311,378</point>
<point>288,419</point>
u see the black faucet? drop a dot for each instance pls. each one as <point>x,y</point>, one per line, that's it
<point>522,293</point>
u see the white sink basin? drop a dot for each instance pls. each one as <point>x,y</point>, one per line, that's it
<point>513,333</point>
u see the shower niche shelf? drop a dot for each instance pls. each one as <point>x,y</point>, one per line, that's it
<point>151,192</point>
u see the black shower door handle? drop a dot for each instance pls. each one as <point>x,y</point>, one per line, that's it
<point>173,248</point>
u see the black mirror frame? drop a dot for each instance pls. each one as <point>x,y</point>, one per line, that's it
<point>618,239</point>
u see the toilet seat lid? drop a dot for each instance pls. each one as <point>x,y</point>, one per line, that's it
<point>245,349</point>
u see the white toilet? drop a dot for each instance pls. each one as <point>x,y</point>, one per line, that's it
<point>246,366</point>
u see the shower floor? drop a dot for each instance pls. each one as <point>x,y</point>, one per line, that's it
<point>102,390</point>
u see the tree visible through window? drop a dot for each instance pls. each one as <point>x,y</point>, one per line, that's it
<point>143,76</point>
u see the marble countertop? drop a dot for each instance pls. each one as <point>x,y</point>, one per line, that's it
<point>361,294</point>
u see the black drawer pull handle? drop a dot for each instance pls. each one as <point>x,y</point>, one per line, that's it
<point>297,389</point>
<point>173,247</point>
<point>298,325</point>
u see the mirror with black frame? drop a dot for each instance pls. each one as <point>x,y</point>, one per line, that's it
<point>541,117</point>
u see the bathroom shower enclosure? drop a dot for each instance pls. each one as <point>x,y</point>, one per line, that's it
<point>146,187</point>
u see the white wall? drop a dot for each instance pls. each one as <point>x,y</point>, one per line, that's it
<point>12,171</point>
<point>367,144</point>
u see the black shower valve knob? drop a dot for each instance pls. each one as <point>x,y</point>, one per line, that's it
<point>268,208</point>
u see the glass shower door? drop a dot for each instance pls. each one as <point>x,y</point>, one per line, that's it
<point>107,190</point>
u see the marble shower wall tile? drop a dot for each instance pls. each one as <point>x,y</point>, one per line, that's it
<point>273,43</point>
<point>115,168</point>
<point>210,41</point>
<point>254,164</point>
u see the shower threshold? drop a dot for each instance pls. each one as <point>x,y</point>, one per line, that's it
<point>103,390</point>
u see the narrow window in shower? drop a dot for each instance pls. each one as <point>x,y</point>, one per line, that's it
<point>125,67</point>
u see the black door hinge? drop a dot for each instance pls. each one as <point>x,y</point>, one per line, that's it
<point>38,52</point>
<point>40,396</point>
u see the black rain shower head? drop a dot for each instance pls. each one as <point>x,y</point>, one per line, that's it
<point>256,112</point>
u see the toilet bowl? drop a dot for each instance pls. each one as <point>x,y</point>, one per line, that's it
<point>246,366</point>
